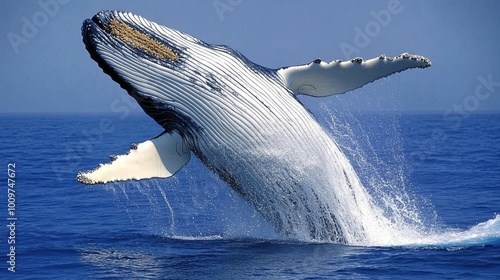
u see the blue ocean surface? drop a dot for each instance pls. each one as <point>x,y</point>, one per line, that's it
<point>444,169</point>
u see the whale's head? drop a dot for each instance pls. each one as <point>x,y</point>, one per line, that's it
<point>160,67</point>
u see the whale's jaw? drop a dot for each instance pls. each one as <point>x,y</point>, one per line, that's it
<point>123,47</point>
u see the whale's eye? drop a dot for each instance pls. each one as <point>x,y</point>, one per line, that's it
<point>140,40</point>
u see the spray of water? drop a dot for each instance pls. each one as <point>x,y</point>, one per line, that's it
<point>372,144</point>
<point>413,221</point>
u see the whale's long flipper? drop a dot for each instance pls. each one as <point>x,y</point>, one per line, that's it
<point>319,78</point>
<point>160,157</point>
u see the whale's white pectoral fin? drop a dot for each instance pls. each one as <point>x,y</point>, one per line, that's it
<point>160,157</point>
<point>319,78</point>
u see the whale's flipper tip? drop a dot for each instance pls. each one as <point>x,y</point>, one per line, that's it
<point>81,177</point>
<point>422,61</point>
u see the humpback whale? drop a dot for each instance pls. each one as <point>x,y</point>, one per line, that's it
<point>235,116</point>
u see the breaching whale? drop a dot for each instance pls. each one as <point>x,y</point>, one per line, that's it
<point>242,120</point>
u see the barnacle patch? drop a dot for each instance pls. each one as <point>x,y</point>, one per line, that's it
<point>140,40</point>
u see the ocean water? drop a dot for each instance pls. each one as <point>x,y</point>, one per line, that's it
<point>443,172</point>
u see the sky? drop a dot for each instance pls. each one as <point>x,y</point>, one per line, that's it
<point>44,67</point>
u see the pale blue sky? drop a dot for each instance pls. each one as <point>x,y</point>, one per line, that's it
<point>45,67</point>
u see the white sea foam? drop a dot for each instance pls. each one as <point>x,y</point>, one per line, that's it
<point>483,233</point>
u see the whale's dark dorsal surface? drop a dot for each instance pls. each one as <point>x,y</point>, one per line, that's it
<point>241,119</point>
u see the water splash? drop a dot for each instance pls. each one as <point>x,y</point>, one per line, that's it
<point>190,207</point>
<point>413,220</point>
<point>484,233</point>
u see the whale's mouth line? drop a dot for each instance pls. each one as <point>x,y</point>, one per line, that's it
<point>107,37</point>
<point>111,42</point>
<point>90,34</point>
